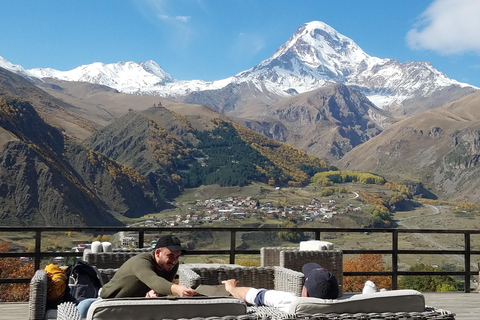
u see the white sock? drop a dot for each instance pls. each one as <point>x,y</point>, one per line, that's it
<point>369,287</point>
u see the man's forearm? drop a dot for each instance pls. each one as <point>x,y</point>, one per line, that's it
<point>239,292</point>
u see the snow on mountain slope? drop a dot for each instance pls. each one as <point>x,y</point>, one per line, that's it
<point>123,76</point>
<point>13,68</point>
<point>315,56</point>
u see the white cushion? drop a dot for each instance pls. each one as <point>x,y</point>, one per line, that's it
<point>315,245</point>
<point>388,301</point>
<point>97,247</point>
<point>165,308</point>
<point>107,246</point>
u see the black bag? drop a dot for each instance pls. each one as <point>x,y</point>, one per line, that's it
<point>84,281</point>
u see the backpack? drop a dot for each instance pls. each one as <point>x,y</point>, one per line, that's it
<point>84,281</point>
<point>57,290</point>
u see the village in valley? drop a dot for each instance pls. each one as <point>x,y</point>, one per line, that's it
<point>224,209</point>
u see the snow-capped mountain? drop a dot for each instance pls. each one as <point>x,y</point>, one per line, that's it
<point>15,68</point>
<point>315,56</point>
<point>123,76</point>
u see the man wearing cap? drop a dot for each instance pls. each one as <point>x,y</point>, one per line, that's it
<point>149,271</point>
<point>146,274</point>
<point>317,282</point>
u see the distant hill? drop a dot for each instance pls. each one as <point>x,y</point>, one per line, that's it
<point>439,147</point>
<point>48,179</point>
<point>175,151</point>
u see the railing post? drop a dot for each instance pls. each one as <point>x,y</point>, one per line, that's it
<point>38,248</point>
<point>317,234</point>
<point>141,238</point>
<point>233,235</point>
<point>394,260</point>
<point>467,262</point>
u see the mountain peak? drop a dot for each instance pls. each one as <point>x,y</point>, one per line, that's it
<point>315,41</point>
<point>314,25</point>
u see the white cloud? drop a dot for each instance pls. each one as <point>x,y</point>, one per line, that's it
<point>183,18</point>
<point>160,9</point>
<point>448,27</point>
<point>176,29</point>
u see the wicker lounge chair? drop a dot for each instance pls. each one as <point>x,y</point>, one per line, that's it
<point>111,260</point>
<point>277,278</point>
<point>294,259</point>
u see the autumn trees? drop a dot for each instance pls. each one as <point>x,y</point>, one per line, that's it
<point>375,263</point>
<point>342,176</point>
<point>233,155</point>
<point>364,263</point>
<point>14,268</point>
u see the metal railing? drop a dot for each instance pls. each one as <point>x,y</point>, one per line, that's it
<point>232,252</point>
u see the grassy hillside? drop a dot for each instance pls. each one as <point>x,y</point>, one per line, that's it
<point>438,148</point>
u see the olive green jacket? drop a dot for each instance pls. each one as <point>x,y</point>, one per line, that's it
<point>137,276</point>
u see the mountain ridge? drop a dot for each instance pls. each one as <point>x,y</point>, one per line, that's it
<point>316,55</point>
<point>438,147</point>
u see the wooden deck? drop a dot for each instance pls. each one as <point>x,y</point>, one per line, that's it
<point>465,305</point>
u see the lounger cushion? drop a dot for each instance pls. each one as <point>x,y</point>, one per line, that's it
<point>165,308</point>
<point>389,301</point>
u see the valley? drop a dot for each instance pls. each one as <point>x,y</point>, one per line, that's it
<point>424,216</point>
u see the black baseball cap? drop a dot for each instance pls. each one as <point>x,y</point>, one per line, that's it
<point>170,242</point>
<point>319,282</point>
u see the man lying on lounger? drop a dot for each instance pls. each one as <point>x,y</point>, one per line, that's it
<point>317,282</point>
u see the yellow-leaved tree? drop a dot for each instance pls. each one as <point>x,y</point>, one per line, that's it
<point>364,263</point>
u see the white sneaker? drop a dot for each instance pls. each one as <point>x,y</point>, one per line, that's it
<point>383,290</point>
<point>369,287</point>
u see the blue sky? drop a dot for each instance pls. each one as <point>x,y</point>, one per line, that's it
<point>215,39</point>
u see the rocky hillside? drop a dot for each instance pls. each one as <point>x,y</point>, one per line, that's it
<point>439,147</point>
<point>327,122</point>
<point>56,112</point>
<point>48,179</point>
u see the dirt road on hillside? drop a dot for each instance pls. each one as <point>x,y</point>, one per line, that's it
<point>409,223</point>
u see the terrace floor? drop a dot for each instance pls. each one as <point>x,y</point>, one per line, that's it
<point>465,305</point>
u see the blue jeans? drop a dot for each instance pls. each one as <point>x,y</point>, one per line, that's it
<point>83,306</point>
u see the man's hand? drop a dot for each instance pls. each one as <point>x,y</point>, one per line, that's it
<point>182,291</point>
<point>151,294</point>
<point>230,284</point>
